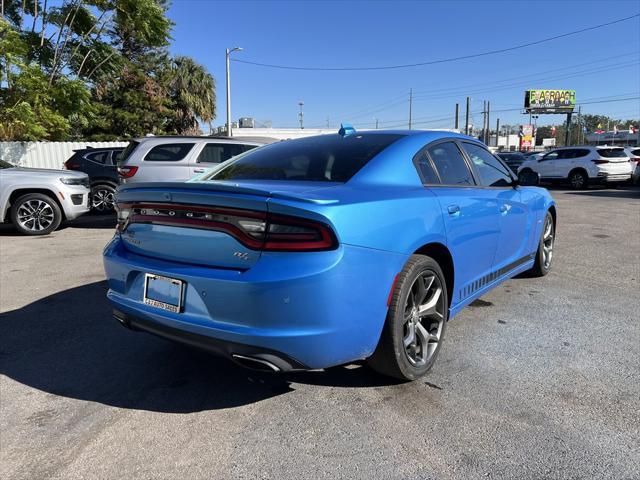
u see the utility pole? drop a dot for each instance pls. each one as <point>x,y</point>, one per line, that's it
<point>457,115</point>
<point>376,119</point>
<point>567,134</point>
<point>580,127</point>
<point>488,136</point>
<point>410,106</point>
<point>497,131</point>
<point>466,117</point>
<point>301,115</point>
<point>228,54</point>
<point>484,119</point>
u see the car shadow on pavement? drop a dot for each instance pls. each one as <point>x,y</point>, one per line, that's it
<point>631,192</point>
<point>92,221</point>
<point>68,344</point>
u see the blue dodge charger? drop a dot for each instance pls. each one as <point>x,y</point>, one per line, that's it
<point>320,251</point>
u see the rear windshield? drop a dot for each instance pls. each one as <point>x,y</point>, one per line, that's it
<point>326,158</point>
<point>612,152</point>
<point>126,153</point>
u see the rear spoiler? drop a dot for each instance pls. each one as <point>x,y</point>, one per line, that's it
<point>218,186</point>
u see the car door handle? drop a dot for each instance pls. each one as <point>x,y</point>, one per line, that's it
<point>504,208</point>
<point>198,170</point>
<point>453,210</point>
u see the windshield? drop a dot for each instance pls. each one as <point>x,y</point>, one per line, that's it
<point>325,158</point>
<point>612,152</point>
<point>4,164</point>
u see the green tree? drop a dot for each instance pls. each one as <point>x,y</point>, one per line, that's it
<point>192,95</point>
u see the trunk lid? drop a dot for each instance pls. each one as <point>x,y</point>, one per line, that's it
<point>224,214</point>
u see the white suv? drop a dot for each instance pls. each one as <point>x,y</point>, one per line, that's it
<point>580,166</point>
<point>176,159</point>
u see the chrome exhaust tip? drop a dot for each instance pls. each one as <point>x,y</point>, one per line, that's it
<point>255,363</point>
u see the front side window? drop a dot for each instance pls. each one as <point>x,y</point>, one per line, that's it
<point>492,172</point>
<point>550,156</point>
<point>450,164</point>
<point>170,152</point>
<point>326,158</point>
<point>219,152</point>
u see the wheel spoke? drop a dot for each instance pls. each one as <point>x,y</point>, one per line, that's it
<point>429,308</point>
<point>424,335</point>
<point>410,337</point>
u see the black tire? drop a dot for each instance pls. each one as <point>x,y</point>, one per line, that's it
<point>41,212</point>
<point>578,180</point>
<point>102,197</point>
<point>391,356</point>
<point>541,266</point>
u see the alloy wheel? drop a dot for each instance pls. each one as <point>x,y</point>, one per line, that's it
<point>577,180</point>
<point>423,318</point>
<point>35,215</point>
<point>102,199</point>
<point>547,242</point>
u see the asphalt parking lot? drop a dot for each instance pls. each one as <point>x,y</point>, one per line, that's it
<point>538,379</point>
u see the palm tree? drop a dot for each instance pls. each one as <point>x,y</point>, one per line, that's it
<point>192,90</point>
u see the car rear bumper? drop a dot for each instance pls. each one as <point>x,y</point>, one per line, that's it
<point>302,310</point>
<point>614,177</point>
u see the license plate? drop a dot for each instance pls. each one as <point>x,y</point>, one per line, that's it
<point>163,292</point>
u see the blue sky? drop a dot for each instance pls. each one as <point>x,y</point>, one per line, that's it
<point>603,64</point>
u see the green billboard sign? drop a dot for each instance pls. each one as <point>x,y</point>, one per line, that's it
<point>550,101</point>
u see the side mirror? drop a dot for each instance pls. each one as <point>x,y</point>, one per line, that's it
<point>528,178</point>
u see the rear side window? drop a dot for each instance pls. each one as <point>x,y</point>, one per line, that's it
<point>115,156</point>
<point>170,152</point>
<point>581,152</point>
<point>99,157</point>
<point>219,152</point>
<point>450,164</point>
<point>426,170</point>
<point>611,152</point>
<point>492,172</point>
<point>326,158</point>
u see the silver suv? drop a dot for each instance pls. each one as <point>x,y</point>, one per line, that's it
<point>175,159</point>
<point>37,200</point>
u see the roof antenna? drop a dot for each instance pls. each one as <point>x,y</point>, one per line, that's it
<point>346,129</point>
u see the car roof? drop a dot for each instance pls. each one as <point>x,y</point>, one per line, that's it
<point>96,149</point>
<point>162,138</point>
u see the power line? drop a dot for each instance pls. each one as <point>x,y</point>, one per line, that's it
<point>443,60</point>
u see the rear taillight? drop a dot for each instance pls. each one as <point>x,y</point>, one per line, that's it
<point>127,172</point>
<point>70,165</point>
<point>254,229</point>
<point>600,162</point>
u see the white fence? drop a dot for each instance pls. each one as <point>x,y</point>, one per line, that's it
<point>45,154</point>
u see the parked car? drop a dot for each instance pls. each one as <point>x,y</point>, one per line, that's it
<point>172,159</point>
<point>580,166</point>
<point>324,250</point>
<point>36,201</point>
<point>512,159</point>
<point>634,158</point>
<point>100,165</point>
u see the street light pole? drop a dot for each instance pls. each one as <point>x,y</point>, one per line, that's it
<point>301,115</point>
<point>228,54</point>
